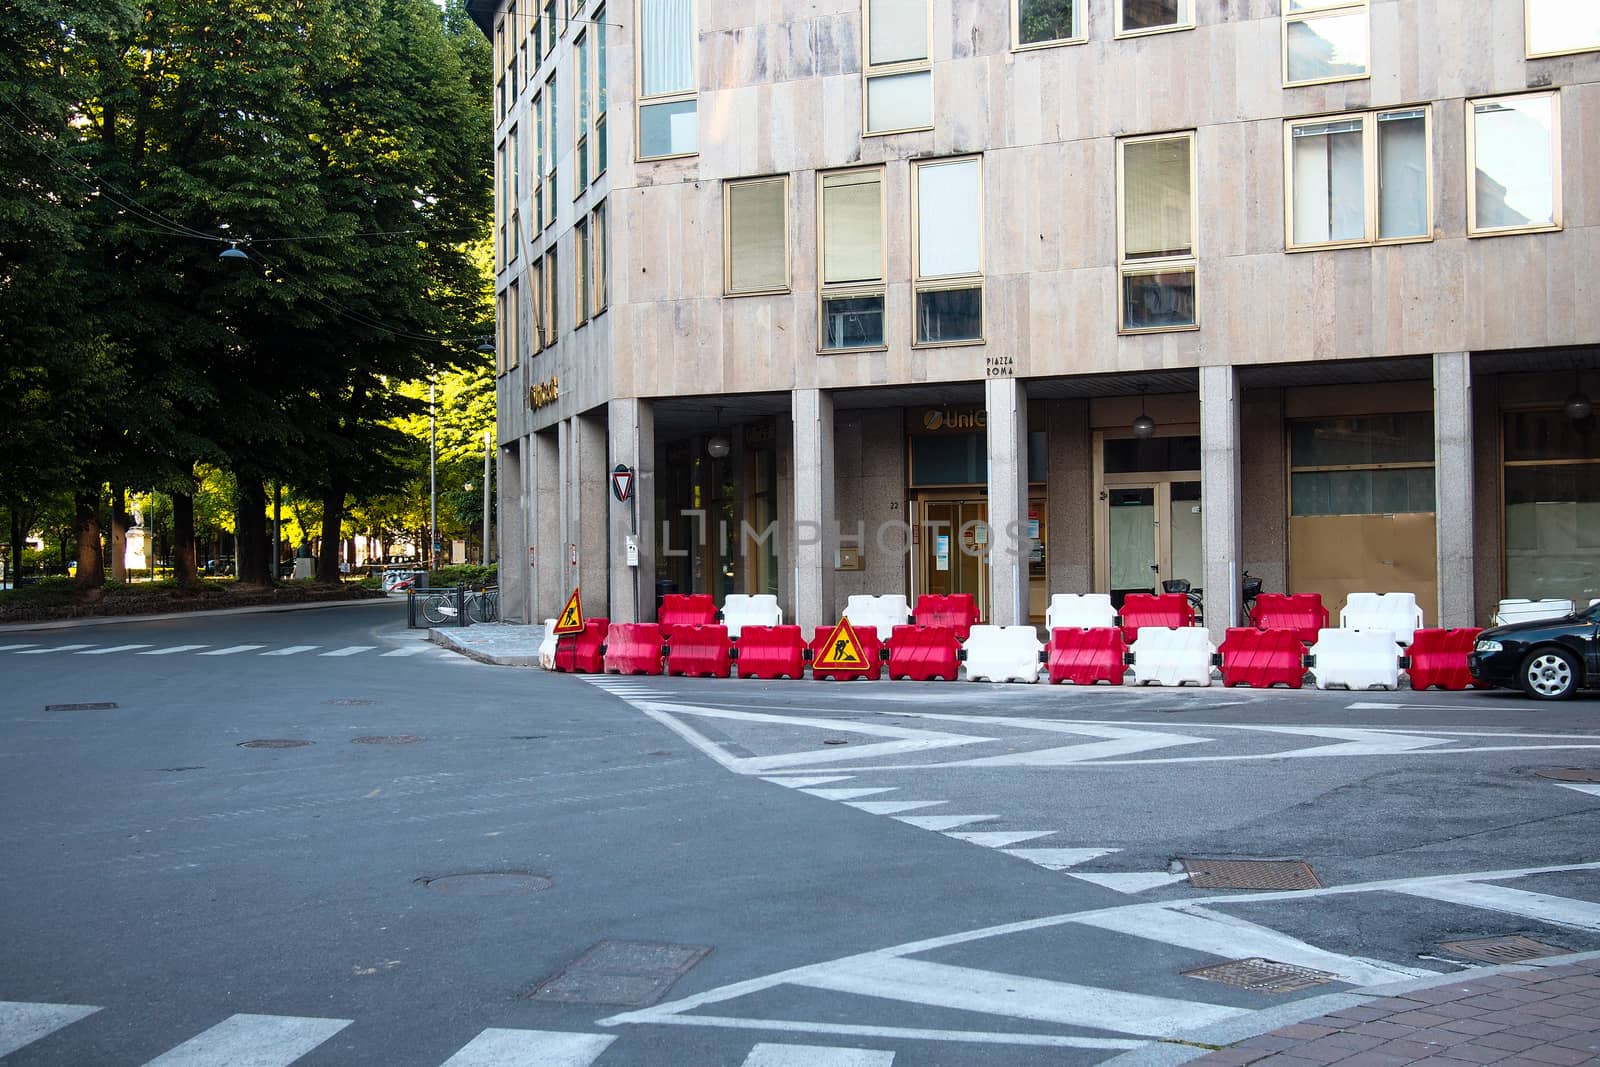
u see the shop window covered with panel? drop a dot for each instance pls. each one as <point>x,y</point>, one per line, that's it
<point>1552,505</point>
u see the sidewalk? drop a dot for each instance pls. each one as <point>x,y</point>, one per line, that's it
<point>502,644</point>
<point>1529,1015</point>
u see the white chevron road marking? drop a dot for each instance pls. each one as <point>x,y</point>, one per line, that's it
<point>1059,859</point>
<point>530,1048</point>
<point>252,1041</point>
<point>22,1023</point>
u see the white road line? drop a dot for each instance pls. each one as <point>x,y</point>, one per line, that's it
<point>108,651</point>
<point>55,648</point>
<point>232,650</point>
<point>22,1023</point>
<point>411,650</point>
<point>1059,859</point>
<point>1013,996</point>
<point>847,794</point>
<point>1130,881</point>
<point>942,822</point>
<point>770,1055</point>
<point>1562,911</point>
<point>13,648</point>
<point>1231,937</point>
<point>891,807</point>
<point>350,650</point>
<point>170,651</point>
<point>292,650</point>
<point>252,1041</point>
<point>530,1048</point>
<point>970,1037</point>
<point>998,838</point>
<point>1592,790</point>
<point>801,783</point>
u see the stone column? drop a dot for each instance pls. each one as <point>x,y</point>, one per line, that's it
<point>591,489</point>
<point>566,532</point>
<point>1007,402</point>
<point>1219,497</point>
<point>815,532</point>
<point>1453,488</point>
<point>547,540</point>
<point>633,442</point>
<point>511,537</point>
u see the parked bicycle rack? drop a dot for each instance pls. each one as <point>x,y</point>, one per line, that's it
<point>450,605</point>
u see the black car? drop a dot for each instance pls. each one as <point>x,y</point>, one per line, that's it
<point>1549,659</point>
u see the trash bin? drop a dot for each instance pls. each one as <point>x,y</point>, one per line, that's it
<point>663,587</point>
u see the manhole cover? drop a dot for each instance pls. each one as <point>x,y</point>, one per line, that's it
<point>633,974</point>
<point>486,883</point>
<point>1513,949</point>
<point>1261,976</point>
<point>1570,774</point>
<point>834,741</point>
<point>101,706</point>
<point>174,770</point>
<point>274,742</point>
<point>386,739</point>
<point>1250,874</point>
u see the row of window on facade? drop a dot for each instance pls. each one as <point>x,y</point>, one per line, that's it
<point>540,289</point>
<point>1354,180</point>
<point>1322,41</point>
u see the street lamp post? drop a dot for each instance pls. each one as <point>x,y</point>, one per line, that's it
<point>488,445</point>
<point>433,482</point>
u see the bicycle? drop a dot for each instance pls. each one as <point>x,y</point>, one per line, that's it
<point>438,608</point>
<point>483,605</point>
<point>1249,590</point>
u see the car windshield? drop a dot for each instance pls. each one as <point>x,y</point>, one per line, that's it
<point>1591,613</point>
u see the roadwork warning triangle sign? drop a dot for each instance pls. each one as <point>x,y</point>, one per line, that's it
<point>570,621</point>
<point>843,650</point>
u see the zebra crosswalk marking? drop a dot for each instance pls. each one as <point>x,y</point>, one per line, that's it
<point>350,650</point>
<point>53,648</point>
<point>252,1041</point>
<point>292,650</point>
<point>108,651</point>
<point>770,1055</point>
<point>13,648</point>
<point>891,807</point>
<point>999,838</point>
<point>1059,859</point>
<point>942,822</point>
<point>170,651</point>
<point>413,650</point>
<point>232,650</point>
<point>22,1023</point>
<point>847,794</point>
<point>530,1048</point>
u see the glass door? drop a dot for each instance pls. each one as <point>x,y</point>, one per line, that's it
<point>1131,540</point>
<point>955,548</point>
<point>1183,557</point>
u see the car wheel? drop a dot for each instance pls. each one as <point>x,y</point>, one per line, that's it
<point>1549,674</point>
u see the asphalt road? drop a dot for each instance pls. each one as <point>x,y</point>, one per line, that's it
<point>926,874</point>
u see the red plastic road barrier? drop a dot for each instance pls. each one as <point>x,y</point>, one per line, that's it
<point>686,609</point>
<point>771,652</point>
<point>699,651</point>
<point>1262,659</point>
<point>923,653</point>
<point>1085,656</point>
<point>1171,610</point>
<point>869,646</point>
<point>580,653</point>
<point>1439,658</point>
<point>633,648</point>
<point>1300,612</point>
<point>956,611</point>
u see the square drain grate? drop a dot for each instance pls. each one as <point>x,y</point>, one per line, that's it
<point>1513,949</point>
<point>628,974</point>
<point>1261,976</point>
<point>1250,874</point>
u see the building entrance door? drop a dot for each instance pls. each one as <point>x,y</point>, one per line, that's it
<point>955,549</point>
<point>1151,531</point>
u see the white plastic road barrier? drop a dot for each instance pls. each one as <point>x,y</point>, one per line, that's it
<point>1396,612</point>
<point>1003,654</point>
<point>1087,611</point>
<point>740,610</point>
<point>1172,656</point>
<point>547,647</point>
<point>1355,659</point>
<point>883,613</point>
<point>1521,610</point>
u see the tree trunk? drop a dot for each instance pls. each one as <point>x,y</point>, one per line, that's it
<point>19,544</point>
<point>186,567</point>
<point>250,524</point>
<point>119,535</point>
<point>332,520</point>
<point>91,565</point>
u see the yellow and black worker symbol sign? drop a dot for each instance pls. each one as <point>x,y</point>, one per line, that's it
<point>570,621</point>
<point>843,650</point>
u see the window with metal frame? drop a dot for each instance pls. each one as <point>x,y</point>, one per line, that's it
<point>1156,233</point>
<point>502,171</point>
<point>500,333</point>
<point>500,69</point>
<point>600,92</point>
<point>755,226</point>
<point>1137,17</point>
<point>947,256</point>
<point>552,21</point>
<point>552,287</point>
<point>514,230</point>
<point>1560,27</point>
<point>1325,41</point>
<point>513,354</point>
<point>538,163</point>
<point>1359,179</point>
<point>552,148</point>
<point>600,277</point>
<point>1040,23</point>
<point>897,92</point>
<point>511,49</point>
<point>851,297</point>
<point>1551,483</point>
<point>580,273</point>
<point>1514,164</point>
<point>668,109</point>
<point>580,127</point>
<point>1365,465</point>
<point>535,305</point>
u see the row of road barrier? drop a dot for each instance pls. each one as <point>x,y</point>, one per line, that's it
<point>1151,641</point>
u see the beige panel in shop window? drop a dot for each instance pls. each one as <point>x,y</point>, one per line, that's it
<point>1337,555</point>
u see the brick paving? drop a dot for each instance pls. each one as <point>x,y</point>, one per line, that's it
<point>1526,1017</point>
